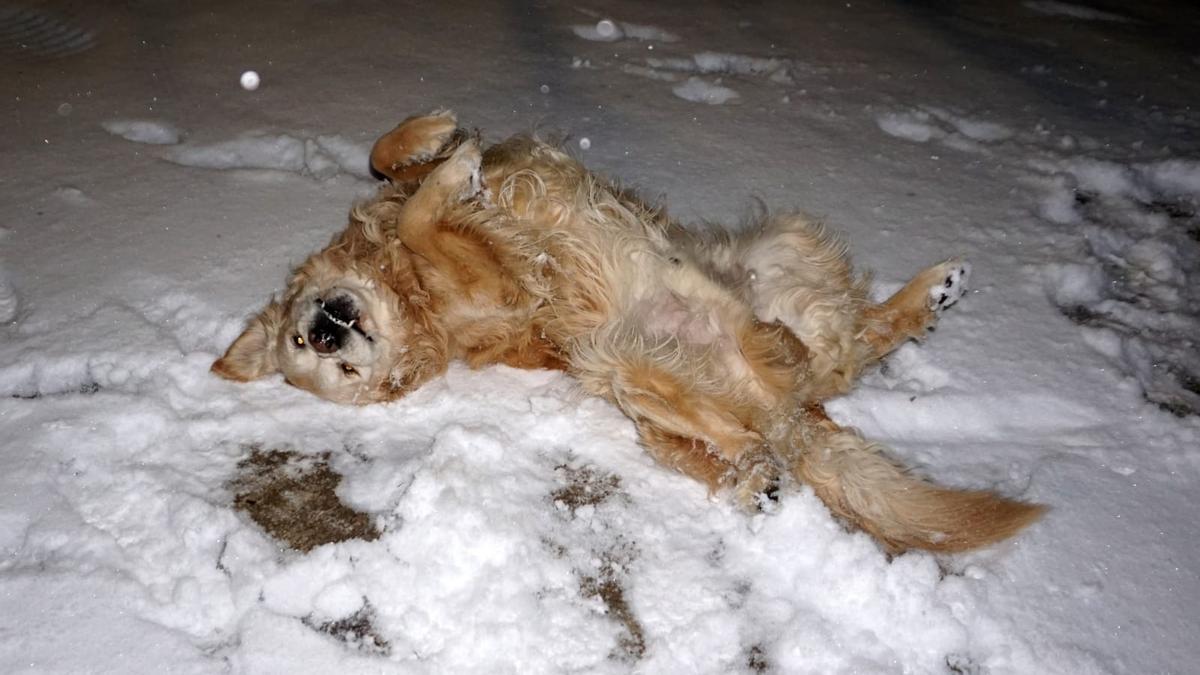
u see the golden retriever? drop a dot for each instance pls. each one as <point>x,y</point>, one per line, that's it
<point>719,346</point>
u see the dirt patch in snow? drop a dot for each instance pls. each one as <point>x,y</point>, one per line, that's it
<point>608,588</point>
<point>293,497</point>
<point>601,571</point>
<point>585,486</point>
<point>357,631</point>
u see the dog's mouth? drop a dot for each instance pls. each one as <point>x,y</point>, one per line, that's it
<point>335,318</point>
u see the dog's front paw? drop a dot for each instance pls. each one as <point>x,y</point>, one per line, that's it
<point>415,141</point>
<point>429,135</point>
<point>951,285</point>
<point>464,169</point>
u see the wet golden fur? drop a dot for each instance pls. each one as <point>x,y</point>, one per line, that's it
<point>719,347</point>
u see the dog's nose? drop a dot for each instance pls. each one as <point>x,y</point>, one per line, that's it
<point>323,342</point>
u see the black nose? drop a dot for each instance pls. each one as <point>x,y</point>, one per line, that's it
<point>340,309</point>
<point>325,336</point>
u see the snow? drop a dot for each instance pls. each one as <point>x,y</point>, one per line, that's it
<point>250,80</point>
<point>698,90</point>
<point>776,70</point>
<point>151,205</point>
<point>152,132</point>
<point>607,30</point>
<point>320,156</point>
<point>913,126</point>
<point>932,123</point>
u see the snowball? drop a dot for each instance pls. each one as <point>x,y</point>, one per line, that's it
<point>250,80</point>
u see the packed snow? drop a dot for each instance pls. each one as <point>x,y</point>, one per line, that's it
<point>513,524</point>
<point>152,132</point>
<point>954,131</point>
<point>607,30</point>
<point>698,90</point>
<point>320,156</point>
<point>776,70</point>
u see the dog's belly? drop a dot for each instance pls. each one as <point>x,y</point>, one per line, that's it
<point>666,314</point>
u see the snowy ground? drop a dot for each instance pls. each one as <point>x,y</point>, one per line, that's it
<point>150,204</point>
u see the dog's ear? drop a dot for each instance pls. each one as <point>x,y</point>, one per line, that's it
<point>252,354</point>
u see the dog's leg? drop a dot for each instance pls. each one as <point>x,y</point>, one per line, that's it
<point>914,309</point>
<point>521,346</point>
<point>793,271</point>
<point>455,180</point>
<point>416,146</point>
<point>685,422</point>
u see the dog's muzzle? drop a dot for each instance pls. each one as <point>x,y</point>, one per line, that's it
<point>332,324</point>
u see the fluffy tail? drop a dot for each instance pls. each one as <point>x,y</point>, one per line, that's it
<point>874,493</point>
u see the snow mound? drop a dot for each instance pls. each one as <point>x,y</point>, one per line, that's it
<point>320,156</point>
<point>926,123</point>
<point>1136,289</point>
<point>649,73</point>
<point>69,194</point>
<point>709,63</point>
<point>701,91</point>
<point>611,31</point>
<point>912,126</point>
<point>153,132</point>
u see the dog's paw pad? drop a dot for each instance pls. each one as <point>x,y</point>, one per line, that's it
<point>416,140</point>
<point>951,285</point>
<point>768,499</point>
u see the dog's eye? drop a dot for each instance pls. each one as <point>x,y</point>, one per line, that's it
<point>298,340</point>
<point>349,369</point>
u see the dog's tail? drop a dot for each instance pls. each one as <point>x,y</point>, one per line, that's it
<point>874,493</point>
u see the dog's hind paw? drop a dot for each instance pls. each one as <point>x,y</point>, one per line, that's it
<point>756,489</point>
<point>951,285</point>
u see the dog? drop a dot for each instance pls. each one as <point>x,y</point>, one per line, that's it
<point>719,346</point>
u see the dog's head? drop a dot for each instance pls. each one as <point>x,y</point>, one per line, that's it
<point>343,335</point>
<point>357,324</point>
